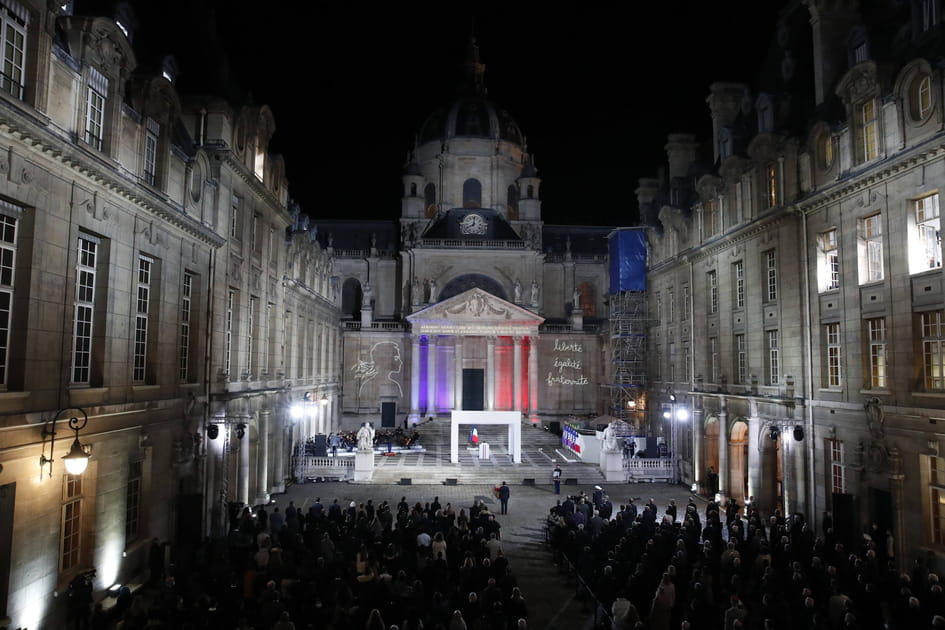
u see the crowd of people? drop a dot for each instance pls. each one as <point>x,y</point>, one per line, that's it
<point>723,570</point>
<point>347,441</point>
<point>372,566</point>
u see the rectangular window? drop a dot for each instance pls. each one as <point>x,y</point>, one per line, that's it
<point>837,481</point>
<point>933,349</point>
<point>84,310</point>
<point>771,275</point>
<point>860,53</point>
<point>671,352</point>
<point>712,284</point>
<point>710,211</point>
<point>253,232</point>
<point>151,133</point>
<point>771,185</point>
<point>741,360</point>
<point>71,527</point>
<point>250,323</point>
<point>133,502</point>
<point>686,304</point>
<point>714,359</point>
<point>870,130</point>
<point>8,238</point>
<point>829,259</point>
<point>270,341</point>
<point>928,250</point>
<point>659,307</point>
<point>142,318</point>
<point>832,338</point>
<point>876,328</point>
<point>687,361</point>
<point>871,248</point>
<point>738,272</point>
<point>658,363</point>
<point>186,297</point>
<point>671,306</point>
<point>937,498</point>
<point>228,332</point>
<point>95,108</point>
<point>235,217</point>
<point>13,22</point>
<point>774,359</point>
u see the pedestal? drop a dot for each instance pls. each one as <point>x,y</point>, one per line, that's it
<point>611,464</point>
<point>364,465</point>
<point>577,319</point>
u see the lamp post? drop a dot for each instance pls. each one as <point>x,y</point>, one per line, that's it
<point>77,459</point>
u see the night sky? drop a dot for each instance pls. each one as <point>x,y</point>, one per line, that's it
<point>595,89</point>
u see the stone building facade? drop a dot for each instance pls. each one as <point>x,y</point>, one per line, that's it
<point>795,278</point>
<point>154,282</point>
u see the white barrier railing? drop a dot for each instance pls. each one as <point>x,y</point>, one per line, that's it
<point>648,468</point>
<point>308,466</point>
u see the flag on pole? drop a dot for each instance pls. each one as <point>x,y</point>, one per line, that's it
<point>474,436</point>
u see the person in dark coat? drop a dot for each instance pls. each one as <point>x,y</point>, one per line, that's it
<point>504,493</point>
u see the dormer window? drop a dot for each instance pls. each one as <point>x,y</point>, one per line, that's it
<point>858,49</point>
<point>765,114</point>
<point>725,143</point>
<point>151,134</point>
<point>96,98</point>
<point>13,21</point>
<point>869,129</point>
<point>259,165</point>
<point>771,184</point>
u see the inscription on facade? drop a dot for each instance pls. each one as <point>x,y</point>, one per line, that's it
<point>567,368</point>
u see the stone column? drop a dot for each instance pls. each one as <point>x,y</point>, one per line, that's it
<point>698,444</point>
<point>800,473</point>
<point>787,473</point>
<point>262,458</point>
<point>330,370</point>
<point>277,481</point>
<point>490,373</point>
<point>724,474</point>
<point>243,467</point>
<point>754,457</point>
<point>533,377</point>
<point>414,379</point>
<point>431,375</point>
<point>322,353</point>
<point>517,374</point>
<point>458,374</point>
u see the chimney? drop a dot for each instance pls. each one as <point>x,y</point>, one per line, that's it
<point>831,21</point>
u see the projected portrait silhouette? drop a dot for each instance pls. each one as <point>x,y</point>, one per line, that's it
<point>384,357</point>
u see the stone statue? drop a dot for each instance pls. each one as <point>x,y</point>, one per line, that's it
<point>576,299</point>
<point>534,300</point>
<point>610,438</point>
<point>432,291</point>
<point>517,289</point>
<point>416,297</point>
<point>365,437</point>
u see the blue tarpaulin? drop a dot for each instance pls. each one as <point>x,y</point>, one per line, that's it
<point>627,259</point>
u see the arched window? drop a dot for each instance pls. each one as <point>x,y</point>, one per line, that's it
<point>472,193</point>
<point>413,189</point>
<point>429,200</point>
<point>351,299</point>
<point>512,203</point>
<point>531,191</point>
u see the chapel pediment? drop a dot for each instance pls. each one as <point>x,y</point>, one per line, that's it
<point>477,311</point>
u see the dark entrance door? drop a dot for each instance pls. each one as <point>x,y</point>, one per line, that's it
<point>7,501</point>
<point>473,382</point>
<point>388,409</point>
<point>844,514</point>
<point>881,509</point>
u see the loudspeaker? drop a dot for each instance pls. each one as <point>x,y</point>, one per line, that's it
<point>213,431</point>
<point>774,433</point>
<point>450,481</point>
<point>406,481</point>
<point>554,427</point>
<point>798,433</point>
<point>528,481</point>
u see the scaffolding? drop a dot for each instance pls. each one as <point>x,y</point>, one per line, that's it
<point>628,323</point>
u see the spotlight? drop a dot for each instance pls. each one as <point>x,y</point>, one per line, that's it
<point>774,433</point>
<point>213,431</point>
<point>798,433</point>
<point>241,430</point>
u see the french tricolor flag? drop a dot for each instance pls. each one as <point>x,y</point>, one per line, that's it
<point>474,436</point>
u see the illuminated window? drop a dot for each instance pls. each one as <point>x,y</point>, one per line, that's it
<point>133,502</point>
<point>837,477</point>
<point>876,329</point>
<point>142,318</point>
<point>228,331</point>
<point>71,527</point>
<point>710,216</point>
<point>186,303</point>
<point>85,306</point>
<point>14,20</point>
<point>926,252</point>
<point>870,248</point>
<point>828,269</point>
<point>771,185</point>
<point>825,151</point>
<point>259,164</point>
<point>933,349</point>
<point>920,97</point>
<point>712,286</point>
<point>937,499</point>
<point>833,351</point>
<point>96,97</point>
<point>738,273</point>
<point>8,238</point>
<point>741,359</point>
<point>771,275</point>
<point>773,367</point>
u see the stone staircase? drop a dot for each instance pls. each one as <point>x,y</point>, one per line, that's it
<point>431,464</point>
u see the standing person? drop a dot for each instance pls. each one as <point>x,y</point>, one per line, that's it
<point>556,477</point>
<point>504,492</point>
<point>334,441</point>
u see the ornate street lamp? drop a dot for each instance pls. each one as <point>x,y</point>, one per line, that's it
<point>77,459</point>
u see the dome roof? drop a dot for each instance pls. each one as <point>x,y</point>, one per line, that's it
<point>471,117</point>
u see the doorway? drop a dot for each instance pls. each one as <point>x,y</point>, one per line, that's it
<point>473,389</point>
<point>388,412</point>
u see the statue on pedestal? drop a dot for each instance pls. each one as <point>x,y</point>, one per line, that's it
<point>610,438</point>
<point>366,437</point>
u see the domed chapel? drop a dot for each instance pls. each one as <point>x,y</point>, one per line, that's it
<point>470,301</point>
